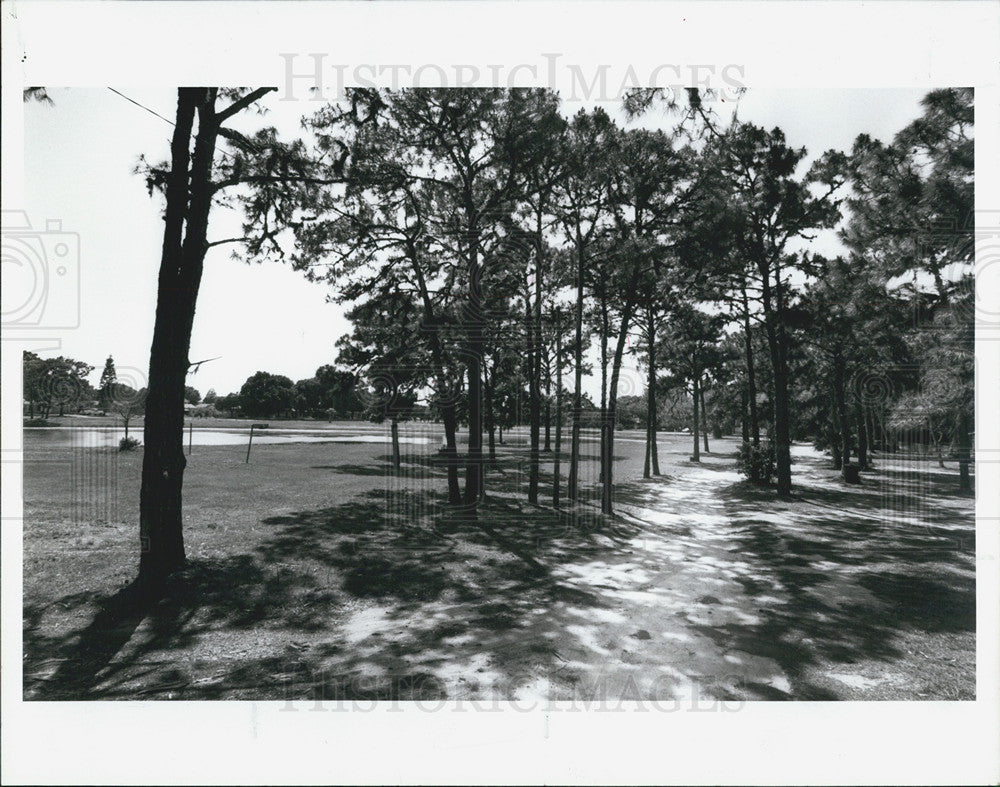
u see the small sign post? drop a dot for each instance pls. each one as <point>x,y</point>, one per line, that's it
<point>190,436</point>
<point>252,427</point>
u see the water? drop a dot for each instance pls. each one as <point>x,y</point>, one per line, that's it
<point>109,436</point>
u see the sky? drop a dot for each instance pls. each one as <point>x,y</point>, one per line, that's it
<point>80,155</point>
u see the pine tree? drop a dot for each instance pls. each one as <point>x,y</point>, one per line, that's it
<point>109,378</point>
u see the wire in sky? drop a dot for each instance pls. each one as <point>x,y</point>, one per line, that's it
<point>150,111</point>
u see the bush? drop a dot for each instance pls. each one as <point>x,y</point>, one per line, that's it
<point>36,422</point>
<point>128,444</point>
<point>756,463</point>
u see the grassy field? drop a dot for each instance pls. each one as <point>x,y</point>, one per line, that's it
<point>317,572</point>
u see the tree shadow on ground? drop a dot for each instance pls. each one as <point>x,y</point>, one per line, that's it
<point>450,588</point>
<point>452,593</point>
<point>852,577</point>
<point>133,640</point>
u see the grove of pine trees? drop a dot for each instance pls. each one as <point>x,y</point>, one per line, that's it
<point>487,249</point>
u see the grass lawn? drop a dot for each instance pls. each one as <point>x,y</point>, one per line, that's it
<point>316,572</point>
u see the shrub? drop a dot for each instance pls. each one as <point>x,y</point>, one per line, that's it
<point>128,444</point>
<point>756,463</point>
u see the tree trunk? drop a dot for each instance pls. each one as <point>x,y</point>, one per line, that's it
<point>696,456</point>
<point>833,436</point>
<point>704,417</point>
<point>534,415</point>
<point>449,415</point>
<point>744,418</point>
<point>859,418</point>
<point>653,450</point>
<point>751,374</point>
<point>649,447</point>
<point>964,451</point>
<point>394,428</point>
<point>605,332</point>
<point>845,427</point>
<point>184,245</point>
<point>650,391</point>
<point>607,496</point>
<point>548,425</point>
<point>490,416</point>
<point>773,314</point>
<point>557,459</point>
<point>474,465</point>
<point>535,390</point>
<point>574,457</point>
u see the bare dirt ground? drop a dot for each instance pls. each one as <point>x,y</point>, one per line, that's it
<point>317,573</point>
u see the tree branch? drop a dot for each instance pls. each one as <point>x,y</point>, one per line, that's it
<point>241,104</point>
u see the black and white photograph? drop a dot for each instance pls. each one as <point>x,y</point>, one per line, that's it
<point>491,399</point>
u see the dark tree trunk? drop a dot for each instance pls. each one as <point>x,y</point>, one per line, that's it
<point>548,426</point>
<point>649,447</point>
<point>534,415</point>
<point>751,374</point>
<point>449,415</point>
<point>859,417</point>
<point>394,428</point>
<point>490,416</point>
<point>535,387</point>
<point>655,452</point>
<point>185,224</point>
<point>607,487</point>
<point>557,459</point>
<point>845,426</point>
<point>704,417</point>
<point>474,465</point>
<point>744,418</point>
<point>650,394</point>
<point>696,456</point>
<point>964,451</point>
<point>607,477</point>
<point>605,331</point>
<point>837,455</point>
<point>574,456</point>
<point>870,435</point>
<point>773,314</point>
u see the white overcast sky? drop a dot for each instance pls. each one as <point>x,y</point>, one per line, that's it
<point>80,154</point>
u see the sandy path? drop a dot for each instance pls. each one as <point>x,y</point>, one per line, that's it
<point>677,576</point>
<point>626,621</point>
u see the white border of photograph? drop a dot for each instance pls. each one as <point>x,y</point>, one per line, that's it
<point>801,45</point>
